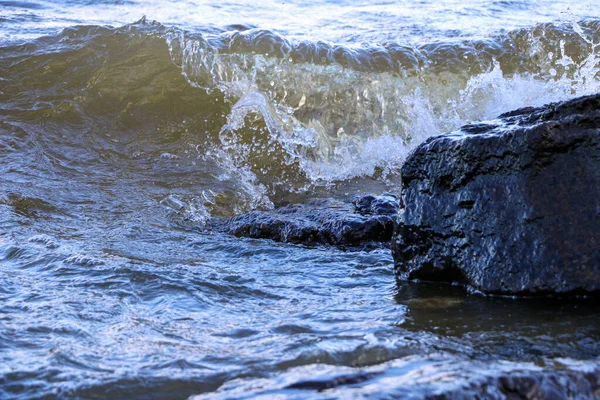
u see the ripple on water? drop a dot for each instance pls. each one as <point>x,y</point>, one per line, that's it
<point>119,144</point>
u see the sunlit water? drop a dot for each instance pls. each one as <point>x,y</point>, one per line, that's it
<point>121,136</point>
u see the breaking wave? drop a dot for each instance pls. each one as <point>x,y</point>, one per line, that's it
<point>253,118</point>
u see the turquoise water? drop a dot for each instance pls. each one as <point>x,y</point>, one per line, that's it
<point>125,126</point>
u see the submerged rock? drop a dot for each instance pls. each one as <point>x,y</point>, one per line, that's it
<point>509,207</point>
<point>439,378</point>
<point>361,220</point>
<point>566,384</point>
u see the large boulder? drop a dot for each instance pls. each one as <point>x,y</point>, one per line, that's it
<point>361,221</point>
<point>507,207</point>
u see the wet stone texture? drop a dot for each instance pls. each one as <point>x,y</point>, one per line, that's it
<point>361,221</point>
<point>533,385</point>
<point>510,207</point>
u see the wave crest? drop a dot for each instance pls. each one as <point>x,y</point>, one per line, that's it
<point>250,111</point>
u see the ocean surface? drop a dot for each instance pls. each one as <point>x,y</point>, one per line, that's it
<point>126,125</point>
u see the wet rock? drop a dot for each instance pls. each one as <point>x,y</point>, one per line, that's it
<point>567,384</point>
<point>460,379</point>
<point>359,221</point>
<point>510,207</point>
<point>335,381</point>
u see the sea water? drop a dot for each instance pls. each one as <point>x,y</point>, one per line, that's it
<point>125,126</point>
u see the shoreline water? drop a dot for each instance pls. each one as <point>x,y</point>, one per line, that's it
<point>120,141</point>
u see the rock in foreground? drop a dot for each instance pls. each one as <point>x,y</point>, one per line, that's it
<point>500,382</point>
<point>363,220</point>
<point>510,207</point>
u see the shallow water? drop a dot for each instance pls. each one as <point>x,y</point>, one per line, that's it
<point>119,140</point>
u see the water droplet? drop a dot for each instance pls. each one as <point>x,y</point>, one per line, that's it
<point>302,101</point>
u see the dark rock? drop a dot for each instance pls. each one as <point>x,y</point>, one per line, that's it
<point>363,219</point>
<point>368,204</point>
<point>511,207</point>
<point>464,380</point>
<point>567,384</point>
<point>333,382</point>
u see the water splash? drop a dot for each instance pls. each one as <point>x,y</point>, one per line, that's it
<point>332,113</point>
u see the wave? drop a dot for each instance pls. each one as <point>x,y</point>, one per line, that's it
<point>253,118</point>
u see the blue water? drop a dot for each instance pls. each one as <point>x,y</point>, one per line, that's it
<point>127,126</point>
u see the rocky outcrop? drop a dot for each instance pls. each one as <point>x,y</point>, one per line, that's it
<point>360,221</point>
<point>507,207</point>
<point>532,382</point>
<point>566,384</point>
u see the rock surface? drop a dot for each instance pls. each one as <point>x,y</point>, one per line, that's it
<point>529,383</point>
<point>567,384</point>
<point>508,207</point>
<point>362,220</point>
